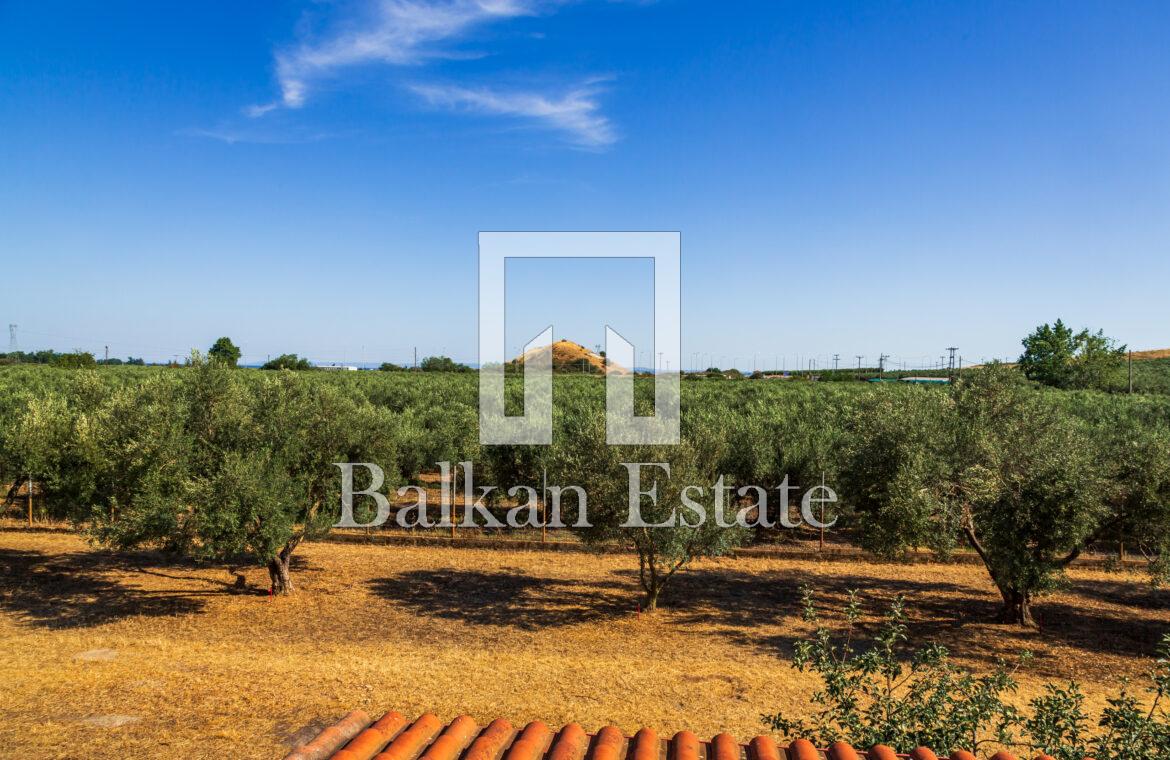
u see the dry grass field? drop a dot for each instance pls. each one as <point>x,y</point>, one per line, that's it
<point>105,656</point>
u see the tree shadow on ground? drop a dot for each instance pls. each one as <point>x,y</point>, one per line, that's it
<point>1131,590</point>
<point>508,597</point>
<point>73,591</point>
<point>762,610</point>
<point>961,617</point>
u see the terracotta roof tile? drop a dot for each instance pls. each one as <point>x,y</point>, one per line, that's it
<point>802,749</point>
<point>882,752</point>
<point>532,743</point>
<point>763,748</point>
<point>686,746</point>
<point>393,737</point>
<point>571,744</point>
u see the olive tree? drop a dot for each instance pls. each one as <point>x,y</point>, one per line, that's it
<point>228,464</point>
<point>50,440</point>
<point>636,497</point>
<point>1134,451</point>
<point>995,465</point>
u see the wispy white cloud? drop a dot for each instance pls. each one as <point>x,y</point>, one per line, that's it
<point>398,32</point>
<point>575,113</point>
<point>411,33</point>
<point>232,136</point>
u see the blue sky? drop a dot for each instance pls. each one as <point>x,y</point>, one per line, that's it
<point>852,178</point>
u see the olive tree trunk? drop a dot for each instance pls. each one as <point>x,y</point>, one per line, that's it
<point>1017,607</point>
<point>278,570</point>
<point>1017,603</point>
<point>653,576</point>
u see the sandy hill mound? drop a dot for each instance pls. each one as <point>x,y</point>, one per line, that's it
<point>1157,353</point>
<point>568,356</point>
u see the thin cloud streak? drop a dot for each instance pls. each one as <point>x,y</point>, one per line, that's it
<point>235,136</point>
<point>576,113</point>
<point>400,33</point>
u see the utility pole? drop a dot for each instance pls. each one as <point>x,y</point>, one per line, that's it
<point>416,357</point>
<point>859,358</point>
<point>951,368</point>
<point>835,358</point>
<point>882,364</point>
<point>12,339</point>
<point>107,361</point>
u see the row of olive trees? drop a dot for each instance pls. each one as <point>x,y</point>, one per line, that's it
<point>215,463</point>
<point>1024,478</point>
<point>208,462</point>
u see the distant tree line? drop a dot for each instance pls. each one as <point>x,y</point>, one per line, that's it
<point>73,359</point>
<point>429,364</point>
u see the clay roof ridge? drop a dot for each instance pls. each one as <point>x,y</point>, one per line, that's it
<point>392,737</point>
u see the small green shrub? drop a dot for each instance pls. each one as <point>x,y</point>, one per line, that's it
<point>885,692</point>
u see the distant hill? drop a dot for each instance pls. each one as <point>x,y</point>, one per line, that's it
<point>1157,353</point>
<point>568,356</point>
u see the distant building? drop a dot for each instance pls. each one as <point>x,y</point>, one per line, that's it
<point>927,380</point>
<point>349,367</point>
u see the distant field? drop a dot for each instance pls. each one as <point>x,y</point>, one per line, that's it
<point>198,668</point>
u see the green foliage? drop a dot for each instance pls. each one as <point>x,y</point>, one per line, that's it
<point>391,367</point>
<point>288,361</point>
<point>442,364</point>
<point>208,462</point>
<point>1055,355</point>
<point>30,357</point>
<point>76,360</point>
<point>886,692</point>
<point>225,352</point>
<point>1151,376</point>
<point>1038,474</point>
<point>1130,728</point>
<point>991,463</point>
<point>249,465</point>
